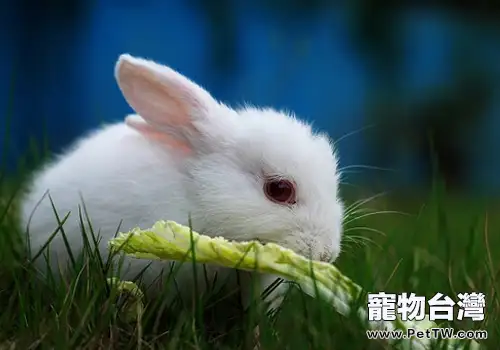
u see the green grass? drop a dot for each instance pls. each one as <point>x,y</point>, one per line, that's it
<point>436,243</point>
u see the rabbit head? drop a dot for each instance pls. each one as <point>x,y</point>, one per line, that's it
<point>249,173</point>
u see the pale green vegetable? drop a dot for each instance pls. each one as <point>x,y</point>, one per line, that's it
<point>167,240</point>
<point>134,306</point>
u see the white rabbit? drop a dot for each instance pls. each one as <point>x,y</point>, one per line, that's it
<point>242,174</point>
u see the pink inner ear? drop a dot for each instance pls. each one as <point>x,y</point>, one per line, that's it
<point>157,94</point>
<point>160,137</point>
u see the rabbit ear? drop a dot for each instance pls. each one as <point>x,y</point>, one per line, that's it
<point>139,124</point>
<point>169,103</point>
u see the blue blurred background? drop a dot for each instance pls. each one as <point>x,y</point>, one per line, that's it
<point>392,81</point>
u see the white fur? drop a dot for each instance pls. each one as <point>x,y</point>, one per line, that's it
<point>122,176</point>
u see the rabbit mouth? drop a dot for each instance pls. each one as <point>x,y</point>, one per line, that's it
<point>265,241</point>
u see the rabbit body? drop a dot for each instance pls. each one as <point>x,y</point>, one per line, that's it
<point>241,174</point>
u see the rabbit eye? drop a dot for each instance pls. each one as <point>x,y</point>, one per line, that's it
<point>280,191</point>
